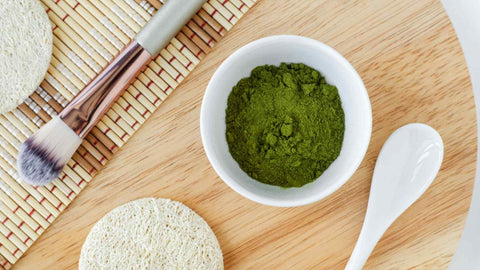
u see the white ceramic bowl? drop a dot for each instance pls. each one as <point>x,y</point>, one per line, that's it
<point>274,50</point>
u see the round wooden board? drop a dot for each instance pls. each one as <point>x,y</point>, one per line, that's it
<point>411,62</point>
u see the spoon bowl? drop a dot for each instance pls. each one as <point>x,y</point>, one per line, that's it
<point>406,166</point>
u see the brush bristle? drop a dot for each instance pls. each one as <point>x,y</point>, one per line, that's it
<point>42,157</point>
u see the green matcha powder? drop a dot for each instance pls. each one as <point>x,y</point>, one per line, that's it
<point>285,124</point>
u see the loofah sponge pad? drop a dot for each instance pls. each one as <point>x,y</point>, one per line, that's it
<point>151,234</point>
<point>25,50</point>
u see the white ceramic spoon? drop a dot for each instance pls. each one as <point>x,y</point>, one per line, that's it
<point>407,164</point>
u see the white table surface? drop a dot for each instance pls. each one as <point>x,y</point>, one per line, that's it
<point>465,17</point>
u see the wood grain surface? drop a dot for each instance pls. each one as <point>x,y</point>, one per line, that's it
<point>413,67</point>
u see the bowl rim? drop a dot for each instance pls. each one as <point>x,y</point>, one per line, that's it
<point>232,183</point>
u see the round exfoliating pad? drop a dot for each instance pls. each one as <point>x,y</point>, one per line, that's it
<point>151,234</point>
<point>25,50</point>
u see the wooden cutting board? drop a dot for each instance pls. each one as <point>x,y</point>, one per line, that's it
<point>407,54</point>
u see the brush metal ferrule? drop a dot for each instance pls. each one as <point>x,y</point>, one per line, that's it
<point>85,110</point>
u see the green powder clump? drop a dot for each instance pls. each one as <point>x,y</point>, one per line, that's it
<point>285,124</point>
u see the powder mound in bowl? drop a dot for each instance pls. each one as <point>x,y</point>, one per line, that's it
<point>284,124</point>
<point>151,234</point>
<point>25,50</point>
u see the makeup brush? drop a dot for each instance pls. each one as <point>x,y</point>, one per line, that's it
<point>42,157</point>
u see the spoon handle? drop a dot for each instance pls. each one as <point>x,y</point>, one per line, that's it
<point>368,239</point>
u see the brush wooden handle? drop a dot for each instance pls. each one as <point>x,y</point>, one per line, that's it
<point>166,23</point>
<point>83,113</point>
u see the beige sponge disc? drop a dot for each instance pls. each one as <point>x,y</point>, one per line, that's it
<point>151,234</point>
<point>25,50</point>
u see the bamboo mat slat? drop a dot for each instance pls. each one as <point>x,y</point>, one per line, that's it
<point>87,34</point>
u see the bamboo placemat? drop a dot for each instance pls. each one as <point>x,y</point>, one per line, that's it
<point>87,34</point>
